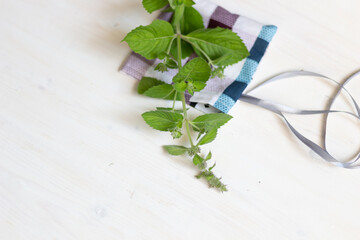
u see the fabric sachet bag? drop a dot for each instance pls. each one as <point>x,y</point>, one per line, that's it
<point>219,95</point>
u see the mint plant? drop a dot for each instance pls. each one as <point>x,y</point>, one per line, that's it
<point>215,48</point>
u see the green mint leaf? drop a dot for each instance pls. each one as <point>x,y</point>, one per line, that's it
<point>153,5</point>
<point>176,150</point>
<point>197,160</point>
<point>191,21</point>
<point>208,122</point>
<point>208,137</point>
<point>161,67</point>
<point>192,76</point>
<point>155,88</point>
<point>162,55</point>
<point>165,91</point>
<point>198,86</point>
<point>222,46</point>
<point>151,40</point>
<point>208,157</point>
<point>163,121</point>
<point>195,70</point>
<point>146,83</point>
<point>211,168</point>
<point>170,63</point>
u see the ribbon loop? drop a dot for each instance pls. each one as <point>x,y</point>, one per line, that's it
<point>280,109</point>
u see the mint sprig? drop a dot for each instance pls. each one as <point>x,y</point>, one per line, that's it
<point>171,42</point>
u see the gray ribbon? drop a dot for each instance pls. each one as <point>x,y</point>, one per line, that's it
<point>280,109</point>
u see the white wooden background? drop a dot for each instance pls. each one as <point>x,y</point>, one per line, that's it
<point>78,162</point>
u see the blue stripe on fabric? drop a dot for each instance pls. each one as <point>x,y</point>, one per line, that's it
<point>235,90</point>
<point>247,71</point>
<point>258,50</point>
<point>267,32</point>
<point>224,103</point>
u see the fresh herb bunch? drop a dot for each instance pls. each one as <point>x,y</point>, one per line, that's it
<point>215,48</point>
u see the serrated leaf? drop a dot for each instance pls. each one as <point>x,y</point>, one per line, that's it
<point>146,83</point>
<point>192,76</point>
<point>191,20</point>
<point>155,88</point>
<point>153,5</point>
<point>164,91</point>
<point>222,46</point>
<point>210,121</point>
<point>208,137</point>
<point>195,70</point>
<point>176,150</point>
<point>149,41</point>
<point>162,120</point>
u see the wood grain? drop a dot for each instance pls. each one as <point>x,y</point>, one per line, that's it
<point>78,162</point>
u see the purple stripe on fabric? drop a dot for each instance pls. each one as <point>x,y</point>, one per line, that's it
<point>136,65</point>
<point>223,17</point>
<point>187,98</point>
<point>213,24</point>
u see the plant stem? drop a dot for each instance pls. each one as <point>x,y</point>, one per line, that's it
<point>174,101</point>
<point>178,32</point>
<point>169,48</point>
<point>186,120</point>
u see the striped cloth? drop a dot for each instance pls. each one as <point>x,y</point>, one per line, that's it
<point>219,95</point>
